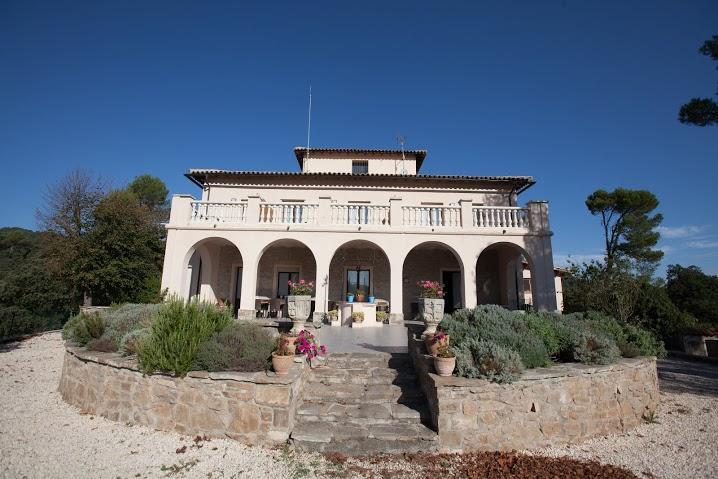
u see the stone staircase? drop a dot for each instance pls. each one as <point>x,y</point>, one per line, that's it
<point>364,403</point>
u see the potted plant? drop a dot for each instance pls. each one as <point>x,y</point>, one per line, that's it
<point>299,303</point>
<point>431,304</point>
<point>434,341</point>
<point>357,316</point>
<point>445,361</point>
<point>308,345</point>
<point>370,298</point>
<point>350,297</point>
<point>283,356</point>
<point>382,316</point>
<point>333,315</point>
<point>360,295</point>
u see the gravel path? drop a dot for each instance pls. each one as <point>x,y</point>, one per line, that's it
<point>41,436</point>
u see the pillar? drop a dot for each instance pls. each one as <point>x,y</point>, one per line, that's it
<point>250,261</point>
<point>321,289</point>
<point>396,301</point>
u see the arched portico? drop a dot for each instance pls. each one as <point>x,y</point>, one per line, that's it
<point>500,276</point>
<point>434,261</point>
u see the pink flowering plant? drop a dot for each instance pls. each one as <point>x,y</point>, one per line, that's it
<point>309,346</point>
<point>301,287</point>
<point>430,289</point>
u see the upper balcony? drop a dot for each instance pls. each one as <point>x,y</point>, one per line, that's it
<point>393,217</point>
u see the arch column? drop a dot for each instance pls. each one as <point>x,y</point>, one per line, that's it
<point>321,289</point>
<point>468,282</point>
<point>544,288</point>
<point>250,261</point>
<point>396,285</point>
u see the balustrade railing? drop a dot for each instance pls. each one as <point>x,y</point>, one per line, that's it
<point>441,216</point>
<point>500,217</point>
<point>209,212</point>
<point>288,213</point>
<point>353,214</point>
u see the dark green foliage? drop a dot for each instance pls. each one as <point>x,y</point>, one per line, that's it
<point>693,291</point>
<point>501,326</point>
<point>477,358</point>
<point>177,333</point>
<point>239,347</point>
<point>656,312</point>
<point>544,325</point>
<point>82,328</point>
<point>121,252</point>
<point>150,191</point>
<point>32,298</point>
<point>131,342</point>
<point>702,111</point>
<point>628,228</point>
<point>592,348</point>
<point>102,344</point>
<point>593,287</point>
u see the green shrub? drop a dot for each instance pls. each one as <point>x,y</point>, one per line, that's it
<point>239,347</point>
<point>177,333</point>
<point>643,342</point>
<point>592,348</point>
<point>123,319</point>
<point>501,326</point>
<point>16,321</point>
<point>82,328</point>
<point>546,327</point>
<point>485,359</point>
<point>130,342</point>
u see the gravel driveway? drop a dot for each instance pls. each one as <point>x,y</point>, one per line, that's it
<point>41,436</point>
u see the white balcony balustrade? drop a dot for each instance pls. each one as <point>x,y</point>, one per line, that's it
<point>352,214</point>
<point>500,217</point>
<point>288,213</point>
<point>208,212</point>
<point>439,216</point>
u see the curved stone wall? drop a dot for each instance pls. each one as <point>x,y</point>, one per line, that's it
<point>562,404</point>
<point>254,408</point>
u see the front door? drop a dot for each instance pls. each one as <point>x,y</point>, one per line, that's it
<point>452,290</point>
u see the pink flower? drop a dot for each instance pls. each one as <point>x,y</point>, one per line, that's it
<point>301,281</point>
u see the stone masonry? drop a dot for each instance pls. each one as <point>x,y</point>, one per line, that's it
<point>562,404</point>
<point>254,408</point>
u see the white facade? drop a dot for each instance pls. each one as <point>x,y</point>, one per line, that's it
<point>383,223</point>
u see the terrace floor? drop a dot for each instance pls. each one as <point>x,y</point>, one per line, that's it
<point>390,338</point>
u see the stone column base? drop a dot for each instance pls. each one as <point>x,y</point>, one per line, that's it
<point>246,314</point>
<point>396,318</point>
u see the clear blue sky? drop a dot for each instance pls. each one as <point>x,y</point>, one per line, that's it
<point>580,95</point>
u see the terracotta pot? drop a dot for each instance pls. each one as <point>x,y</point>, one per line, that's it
<point>444,366</point>
<point>432,347</point>
<point>282,364</point>
<point>292,340</point>
<point>360,298</point>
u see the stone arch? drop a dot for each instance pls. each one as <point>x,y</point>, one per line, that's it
<point>435,261</point>
<point>277,262</point>
<point>504,275</point>
<point>210,271</point>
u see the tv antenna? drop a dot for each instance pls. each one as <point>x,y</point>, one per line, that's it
<point>309,122</point>
<point>401,139</point>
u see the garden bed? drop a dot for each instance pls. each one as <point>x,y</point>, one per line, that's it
<point>561,404</point>
<point>252,407</point>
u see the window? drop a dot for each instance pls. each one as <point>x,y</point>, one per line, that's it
<point>359,167</point>
<point>283,278</point>
<point>527,285</point>
<point>357,279</point>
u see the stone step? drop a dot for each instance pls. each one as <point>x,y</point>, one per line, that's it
<point>363,414</point>
<point>368,376</point>
<point>368,360</point>
<point>353,439</point>
<point>362,393</point>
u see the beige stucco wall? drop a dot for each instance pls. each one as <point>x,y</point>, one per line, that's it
<point>365,256</point>
<point>326,162</point>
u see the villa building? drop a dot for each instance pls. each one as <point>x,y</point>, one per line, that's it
<point>358,219</point>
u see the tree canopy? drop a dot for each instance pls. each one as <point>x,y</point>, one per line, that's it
<point>694,291</point>
<point>628,227</point>
<point>702,111</point>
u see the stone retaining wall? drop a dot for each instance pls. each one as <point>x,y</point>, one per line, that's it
<point>254,408</point>
<point>563,404</point>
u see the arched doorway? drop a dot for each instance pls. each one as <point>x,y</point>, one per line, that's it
<point>503,276</point>
<point>433,261</point>
<point>282,261</point>
<point>213,272</point>
<point>355,265</point>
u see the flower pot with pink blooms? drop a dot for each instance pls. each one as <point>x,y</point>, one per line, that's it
<point>445,361</point>
<point>299,303</point>
<point>434,341</point>
<point>308,345</point>
<point>283,356</point>
<point>431,304</point>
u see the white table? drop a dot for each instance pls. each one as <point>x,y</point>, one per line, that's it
<point>369,309</point>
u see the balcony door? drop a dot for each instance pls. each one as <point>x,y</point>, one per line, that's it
<point>283,279</point>
<point>452,290</point>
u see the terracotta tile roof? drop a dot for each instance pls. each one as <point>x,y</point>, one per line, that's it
<point>520,183</point>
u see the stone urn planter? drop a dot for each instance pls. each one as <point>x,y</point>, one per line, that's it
<point>431,311</point>
<point>282,364</point>
<point>444,366</point>
<point>298,308</point>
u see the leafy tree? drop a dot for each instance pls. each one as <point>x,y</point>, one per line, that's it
<point>693,291</point>
<point>629,230</point>
<point>702,111</point>
<point>123,252</point>
<point>656,312</point>
<point>150,190</point>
